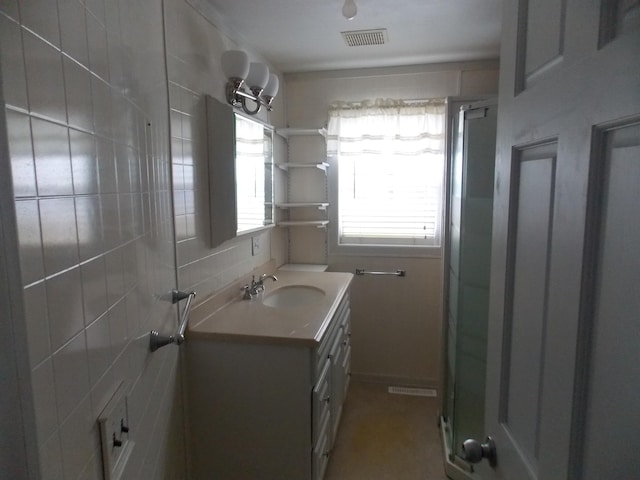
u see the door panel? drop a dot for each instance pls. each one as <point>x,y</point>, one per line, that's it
<point>562,363</point>
<point>543,37</point>
<point>615,327</point>
<point>525,326</point>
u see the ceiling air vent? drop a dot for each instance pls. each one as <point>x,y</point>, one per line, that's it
<point>359,38</point>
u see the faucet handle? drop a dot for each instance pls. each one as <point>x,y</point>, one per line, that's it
<point>248,295</point>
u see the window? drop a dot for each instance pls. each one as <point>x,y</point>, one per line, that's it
<point>390,160</point>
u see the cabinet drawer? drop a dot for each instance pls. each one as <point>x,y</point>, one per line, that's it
<point>338,325</point>
<point>321,401</point>
<point>321,449</point>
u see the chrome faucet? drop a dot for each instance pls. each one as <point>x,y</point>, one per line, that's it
<point>252,290</point>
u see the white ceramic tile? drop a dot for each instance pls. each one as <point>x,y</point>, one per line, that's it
<point>84,163</point>
<point>191,225</point>
<point>22,164</point>
<point>94,289</point>
<point>189,177</point>
<point>179,203</point>
<point>190,203</point>
<point>97,41</point>
<point>178,177</point>
<point>59,233</point>
<point>110,220</point>
<point>93,469</point>
<point>99,351</point>
<point>71,375</point>
<point>43,398</point>
<point>176,150</point>
<point>64,304</point>
<point>79,437</point>
<point>50,456</point>
<point>89,224</point>
<point>130,266</point>
<point>138,214</point>
<point>187,152</point>
<point>12,62</point>
<point>41,18</point>
<point>125,209</point>
<point>10,8</point>
<point>102,108</point>
<point>35,306</point>
<point>77,85</point>
<point>73,30</point>
<point>29,237</point>
<point>46,91</point>
<point>118,327</point>
<point>115,280</point>
<point>97,8</point>
<point>181,228</point>
<point>106,166</point>
<point>52,158</point>
<point>102,391</point>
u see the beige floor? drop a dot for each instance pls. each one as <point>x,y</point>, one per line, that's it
<point>386,436</point>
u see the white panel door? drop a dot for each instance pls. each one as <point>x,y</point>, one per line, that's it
<point>563,371</point>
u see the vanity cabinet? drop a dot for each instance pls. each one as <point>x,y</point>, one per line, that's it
<point>267,409</point>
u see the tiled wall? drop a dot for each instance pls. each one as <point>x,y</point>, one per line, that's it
<point>86,105</point>
<point>194,48</point>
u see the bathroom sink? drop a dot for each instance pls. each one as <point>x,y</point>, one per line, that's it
<point>293,296</point>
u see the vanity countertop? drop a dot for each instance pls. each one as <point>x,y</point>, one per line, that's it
<point>250,321</point>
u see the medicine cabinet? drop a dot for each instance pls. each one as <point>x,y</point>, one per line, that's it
<point>240,151</point>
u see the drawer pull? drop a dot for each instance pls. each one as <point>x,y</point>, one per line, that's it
<point>327,399</point>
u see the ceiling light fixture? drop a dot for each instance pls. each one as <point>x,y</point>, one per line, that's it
<point>349,9</point>
<point>263,86</point>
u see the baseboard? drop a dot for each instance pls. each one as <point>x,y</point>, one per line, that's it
<point>430,383</point>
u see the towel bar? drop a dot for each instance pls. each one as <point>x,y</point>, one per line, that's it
<point>397,273</point>
<point>156,340</point>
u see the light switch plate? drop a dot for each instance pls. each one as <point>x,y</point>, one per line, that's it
<point>255,245</point>
<point>115,435</point>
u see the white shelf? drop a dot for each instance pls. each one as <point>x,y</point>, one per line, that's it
<point>304,267</point>
<point>320,165</point>
<point>291,132</point>
<point>318,205</point>
<point>304,223</point>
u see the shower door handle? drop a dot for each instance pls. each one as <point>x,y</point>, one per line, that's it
<point>474,451</point>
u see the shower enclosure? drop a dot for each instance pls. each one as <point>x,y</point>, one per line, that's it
<point>470,210</point>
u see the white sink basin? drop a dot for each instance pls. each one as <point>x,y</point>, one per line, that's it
<point>293,296</point>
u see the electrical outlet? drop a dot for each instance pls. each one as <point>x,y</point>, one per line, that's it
<point>255,246</point>
<point>115,435</point>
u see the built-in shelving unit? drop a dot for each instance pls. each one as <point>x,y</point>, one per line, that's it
<point>320,165</point>
<point>304,223</point>
<point>306,200</point>
<point>318,205</point>
<point>288,132</point>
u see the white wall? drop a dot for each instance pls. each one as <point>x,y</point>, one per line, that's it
<point>87,128</point>
<point>396,322</point>
<point>194,49</point>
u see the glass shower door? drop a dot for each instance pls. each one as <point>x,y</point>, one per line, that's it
<point>471,200</point>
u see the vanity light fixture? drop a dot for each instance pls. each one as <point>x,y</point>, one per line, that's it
<point>349,9</point>
<point>262,85</point>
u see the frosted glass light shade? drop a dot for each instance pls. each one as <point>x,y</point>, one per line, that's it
<point>272,86</point>
<point>258,75</point>
<point>349,9</point>
<point>235,64</point>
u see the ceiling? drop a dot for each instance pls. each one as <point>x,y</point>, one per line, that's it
<point>305,35</point>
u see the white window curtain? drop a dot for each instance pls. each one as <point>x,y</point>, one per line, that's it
<point>390,157</point>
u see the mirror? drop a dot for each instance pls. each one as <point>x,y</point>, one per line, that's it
<point>240,153</point>
<point>254,174</point>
